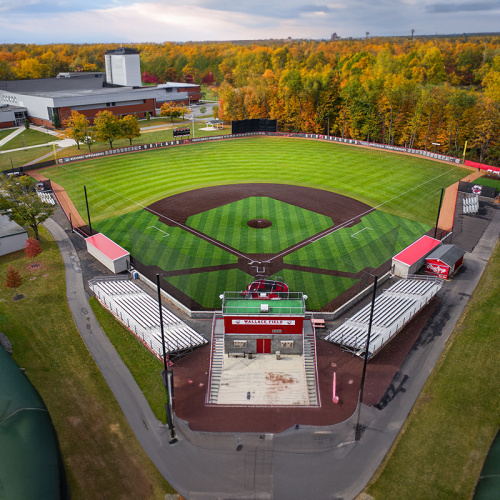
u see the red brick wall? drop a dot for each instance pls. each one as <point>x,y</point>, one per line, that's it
<point>139,109</point>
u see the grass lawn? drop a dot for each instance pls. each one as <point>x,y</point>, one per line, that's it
<point>31,138</point>
<point>441,449</point>
<point>483,181</point>
<point>147,137</point>
<point>101,455</point>
<point>144,367</point>
<point>22,157</point>
<point>4,133</point>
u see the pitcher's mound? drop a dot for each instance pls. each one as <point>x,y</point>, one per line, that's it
<point>259,223</point>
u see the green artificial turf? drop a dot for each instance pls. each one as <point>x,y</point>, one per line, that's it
<point>290,224</point>
<point>154,243</point>
<point>205,287</point>
<point>405,190</point>
<point>376,239</point>
<point>405,185</point>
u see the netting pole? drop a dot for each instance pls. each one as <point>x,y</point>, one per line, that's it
<point>439,211</point>
<point>88,211</point>
<point>362,385</point>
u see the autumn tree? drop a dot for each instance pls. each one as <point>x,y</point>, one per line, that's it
<point>107,127</point>
<point>20,202</point>
<point>13,279</point>
<point>170,110</point>
<point>76,127</point>
<point>32,248</point>
<point>130,127</point>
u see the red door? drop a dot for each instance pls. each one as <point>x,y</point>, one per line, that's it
<point>263,346</point>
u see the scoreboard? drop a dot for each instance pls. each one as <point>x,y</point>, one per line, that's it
<point>182,131</point>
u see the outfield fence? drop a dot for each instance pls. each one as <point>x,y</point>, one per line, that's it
<point>301,135</point>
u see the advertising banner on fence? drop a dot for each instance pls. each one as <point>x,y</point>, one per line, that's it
<point>354,142</point>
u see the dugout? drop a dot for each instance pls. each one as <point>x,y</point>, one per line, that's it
<point>412,258</point>
<point>444,261</point>
<point>108,253</point>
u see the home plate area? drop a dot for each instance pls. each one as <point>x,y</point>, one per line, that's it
<point>264,380</point>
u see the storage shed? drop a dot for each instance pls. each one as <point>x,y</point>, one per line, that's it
<point>444,261</point>
<point>412,258</point>
<point>107,252</point>
<point>12,236</point>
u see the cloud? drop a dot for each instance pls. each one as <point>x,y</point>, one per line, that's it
<point>37,21</point>
<point>455,7</point>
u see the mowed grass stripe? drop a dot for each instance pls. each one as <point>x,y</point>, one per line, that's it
<point>370,176</point>
<point>290,224</point>
<point>371,247</point>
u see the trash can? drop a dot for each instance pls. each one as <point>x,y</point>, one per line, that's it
<point>135,275</point>
<point>278,355</point>
<point>249,354</point>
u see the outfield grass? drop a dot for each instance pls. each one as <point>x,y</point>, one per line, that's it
<point>407,186</point>
<point>405,189</point>
<point>290,224</point>
<point>101,455</point>
<point>441,448</point>
<point>31,138</point>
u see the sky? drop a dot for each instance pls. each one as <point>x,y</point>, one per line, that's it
<point>127,21</point>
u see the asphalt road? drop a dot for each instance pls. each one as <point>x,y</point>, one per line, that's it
<point>313,463</point>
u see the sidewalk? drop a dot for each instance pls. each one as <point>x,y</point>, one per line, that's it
<point>204,465</point>
<point>5,140</point>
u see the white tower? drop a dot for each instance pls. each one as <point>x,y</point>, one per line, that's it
<point>123,67</point>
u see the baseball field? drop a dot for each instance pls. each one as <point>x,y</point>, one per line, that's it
<point>209,216</point>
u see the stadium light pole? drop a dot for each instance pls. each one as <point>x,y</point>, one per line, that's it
<point>358,428</point>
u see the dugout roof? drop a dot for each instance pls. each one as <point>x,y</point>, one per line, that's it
<point>417,250</point>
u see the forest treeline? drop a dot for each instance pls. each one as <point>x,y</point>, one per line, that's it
<point>397,91</point>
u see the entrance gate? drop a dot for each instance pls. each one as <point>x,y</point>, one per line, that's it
<point>263,346</point>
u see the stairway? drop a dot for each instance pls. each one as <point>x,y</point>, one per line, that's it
<point>310,362</point>
<point>217,360</point>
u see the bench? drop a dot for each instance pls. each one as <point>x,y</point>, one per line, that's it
<point>319,323</point>
<point>236,354</point>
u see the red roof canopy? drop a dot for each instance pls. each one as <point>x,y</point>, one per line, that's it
<point>106,246</point>
<point>416,250</point>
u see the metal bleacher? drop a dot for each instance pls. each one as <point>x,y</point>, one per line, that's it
<point>46,197</point>
<point>393,309</point>
<point>470,204</point>
<point>140,313</point>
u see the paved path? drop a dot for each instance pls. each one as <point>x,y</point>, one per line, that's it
<point>314,462</point>
<point>6,139</point>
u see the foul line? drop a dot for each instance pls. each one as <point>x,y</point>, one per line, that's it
<point>284,252</point>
